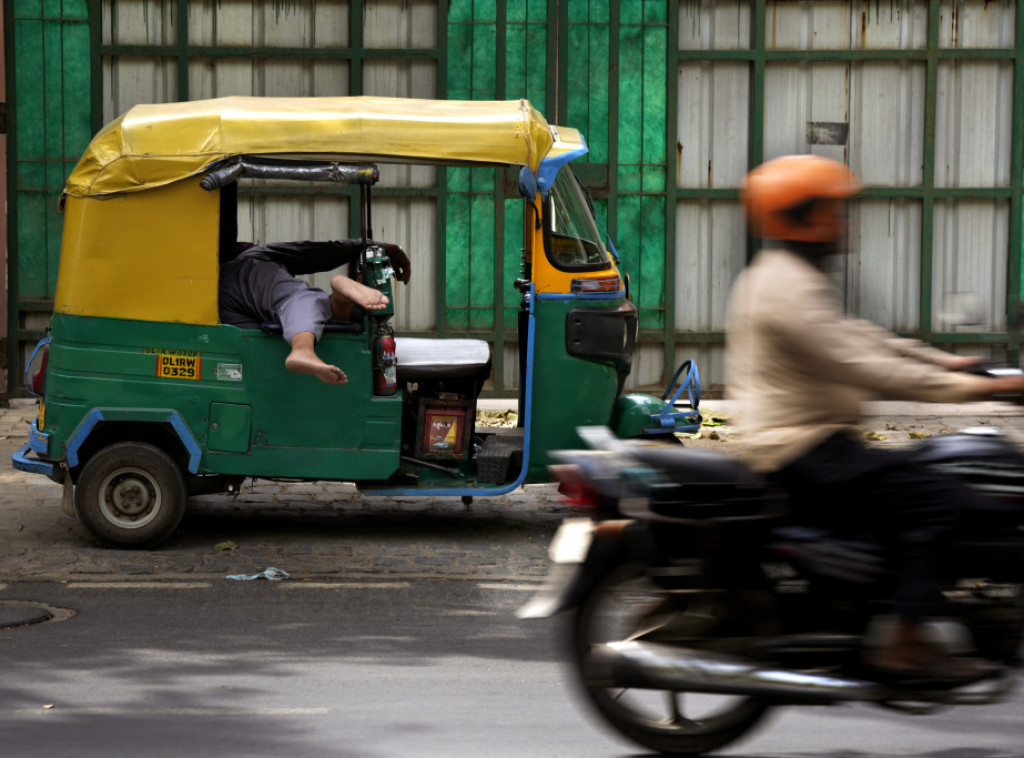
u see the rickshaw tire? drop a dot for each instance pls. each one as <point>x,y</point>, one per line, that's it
<point>130,495</point>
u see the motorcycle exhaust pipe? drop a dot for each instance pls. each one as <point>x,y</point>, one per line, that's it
<point>647,665</point>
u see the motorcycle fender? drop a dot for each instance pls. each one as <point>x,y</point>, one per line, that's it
<point>573,573</point>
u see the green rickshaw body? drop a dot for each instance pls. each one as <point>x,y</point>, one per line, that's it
<point>268,423</point>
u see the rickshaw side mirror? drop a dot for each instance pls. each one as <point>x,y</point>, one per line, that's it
<point>527,183</point>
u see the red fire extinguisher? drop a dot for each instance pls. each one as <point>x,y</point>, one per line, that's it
<point>385,362</point>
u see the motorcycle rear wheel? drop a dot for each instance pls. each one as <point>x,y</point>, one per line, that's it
<point>679,723</point>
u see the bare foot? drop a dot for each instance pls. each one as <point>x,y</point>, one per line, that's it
<point>360,294</point>
<point>325,372</point>
<point>304,360</point>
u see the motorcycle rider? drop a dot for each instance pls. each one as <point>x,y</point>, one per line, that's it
<point>800,369</point>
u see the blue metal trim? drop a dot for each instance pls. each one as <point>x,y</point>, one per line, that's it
<point>570,296</point>
<point>195,453</point>
<point>668,418</point>
<point>178,424</point>
<point>21,461</point>
<point>38,441</point>
<point>549,167</point>
<point>80,435</point>
<point>44,341</point>
<point>527,409</point>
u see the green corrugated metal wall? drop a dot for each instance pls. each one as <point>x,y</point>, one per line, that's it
<point>48,57</point>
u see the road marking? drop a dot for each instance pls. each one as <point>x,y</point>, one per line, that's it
<point>166,711</point>
<point>138,585</point>
<point>516,587</point>
<point>348,585</point>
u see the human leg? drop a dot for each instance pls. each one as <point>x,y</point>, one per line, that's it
<point>303,359</point>
<point>912,511</point>
<point>346,291</point>
<point>303,311</point>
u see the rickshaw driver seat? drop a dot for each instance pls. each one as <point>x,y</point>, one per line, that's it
<point>421,359</point>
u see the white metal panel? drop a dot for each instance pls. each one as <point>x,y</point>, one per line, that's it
<point>973,124</point>
<point>400,24</point>
<point>510,372</point>
<point>711,246</point>
<point>710,360</point>
<point>648,366</point>
<point>800,100</point>
<point>132,80</point>
<point>228,23</point>
<point>713,124</point>
<point>886,122</point>
<point>844,24</point>
<point>882,271</point>
<point>714,25</point>
<point>969,23</point>
<point>809,26</point>
<point>411,223</point>
<point>139,22</point>
<point>970,248</point>
<point>898,24</point>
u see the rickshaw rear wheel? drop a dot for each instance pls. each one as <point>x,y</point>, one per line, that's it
<point>130,495</point>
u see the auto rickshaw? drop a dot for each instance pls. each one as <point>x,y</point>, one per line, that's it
<point>146,399</point>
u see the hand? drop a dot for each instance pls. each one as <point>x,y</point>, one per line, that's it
<point>399,262</point>
<point>1006,385</point>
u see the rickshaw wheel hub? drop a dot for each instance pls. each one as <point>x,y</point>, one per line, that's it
<point>129,496</point>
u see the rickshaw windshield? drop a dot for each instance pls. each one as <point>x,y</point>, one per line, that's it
<point>572,239</point>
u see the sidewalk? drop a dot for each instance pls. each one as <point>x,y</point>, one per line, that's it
<point>328,530</point>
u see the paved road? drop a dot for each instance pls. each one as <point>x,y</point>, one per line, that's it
<point>364,669</point>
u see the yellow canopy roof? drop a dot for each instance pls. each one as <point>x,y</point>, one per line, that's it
<point>154,145</point>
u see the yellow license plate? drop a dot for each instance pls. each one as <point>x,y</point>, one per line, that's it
<point>179,366</point>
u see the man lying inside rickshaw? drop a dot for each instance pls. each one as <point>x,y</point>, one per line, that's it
<point>259,284</point>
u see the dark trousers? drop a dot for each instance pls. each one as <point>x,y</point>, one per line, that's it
<point>844,485</point>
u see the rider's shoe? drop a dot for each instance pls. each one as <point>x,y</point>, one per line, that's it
<point>909,660</point>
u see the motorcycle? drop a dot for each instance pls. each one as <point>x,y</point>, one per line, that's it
<point>700,604</point>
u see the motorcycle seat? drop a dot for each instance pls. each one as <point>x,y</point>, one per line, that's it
<point>702,486</point>
<point>421,359</point>
<point>690,467</point>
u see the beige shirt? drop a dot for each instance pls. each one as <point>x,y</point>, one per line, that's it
<point>800,368</point>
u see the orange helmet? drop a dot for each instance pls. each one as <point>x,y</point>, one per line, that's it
<point>798,198</point>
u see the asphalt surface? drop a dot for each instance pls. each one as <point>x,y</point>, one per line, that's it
<point>318,530</point>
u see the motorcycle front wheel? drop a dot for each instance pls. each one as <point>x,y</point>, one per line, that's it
<point>625,605</point>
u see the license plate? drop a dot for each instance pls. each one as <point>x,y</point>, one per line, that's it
<point>572,541</point>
